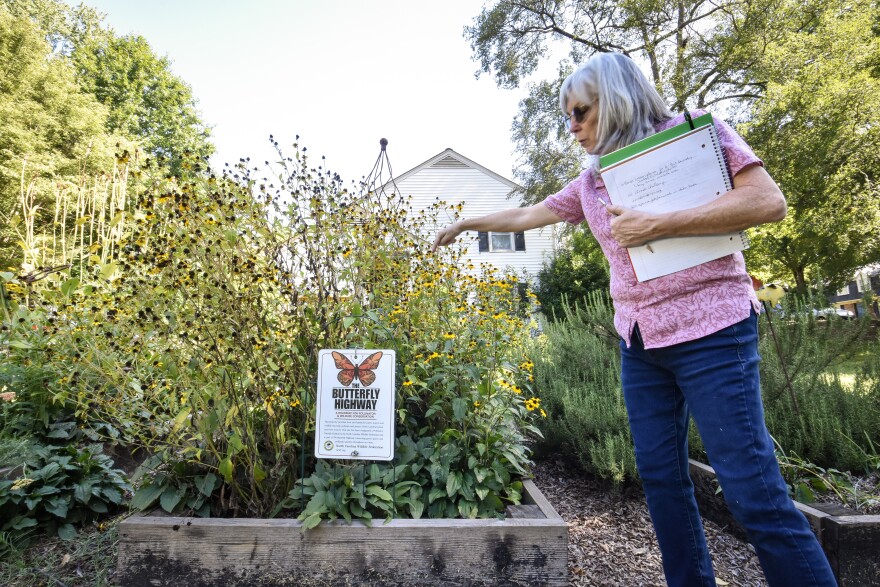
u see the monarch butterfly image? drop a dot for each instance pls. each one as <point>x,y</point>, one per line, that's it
<point>348,371</point>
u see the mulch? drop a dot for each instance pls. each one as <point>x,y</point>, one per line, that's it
<point>611,541</point>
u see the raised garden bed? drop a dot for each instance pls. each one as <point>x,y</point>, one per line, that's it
<point>850,540</point>
<point>529,547</point>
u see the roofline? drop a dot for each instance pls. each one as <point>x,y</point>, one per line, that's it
<point>470,163</point>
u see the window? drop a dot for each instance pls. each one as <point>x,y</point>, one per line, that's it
<point>500,241</point>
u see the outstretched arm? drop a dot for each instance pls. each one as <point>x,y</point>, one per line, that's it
<point>510,220</point>
<point>755,199</point>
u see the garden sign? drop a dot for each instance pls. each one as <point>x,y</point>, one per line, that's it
<point>355,408</point>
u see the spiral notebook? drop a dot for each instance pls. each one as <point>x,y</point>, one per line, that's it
<point>679,168</point>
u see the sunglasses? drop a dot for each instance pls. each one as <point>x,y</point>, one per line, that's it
<point>578,113</point>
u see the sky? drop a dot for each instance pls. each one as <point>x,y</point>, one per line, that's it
<point>341,74</point>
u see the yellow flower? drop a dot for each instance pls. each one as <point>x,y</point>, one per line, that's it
<point>543,413</point>
<point>407,383</point>
<point>448,335</point>
<point>21,483</point>
<point>533,404</point>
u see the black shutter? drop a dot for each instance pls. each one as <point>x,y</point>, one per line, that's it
<point>484,241</point>
<point>519,241</point>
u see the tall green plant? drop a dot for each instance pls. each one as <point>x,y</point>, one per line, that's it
<point>834,421</point>
<point>196,338</point>
<point>577,370</point>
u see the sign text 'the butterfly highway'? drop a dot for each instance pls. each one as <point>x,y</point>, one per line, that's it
<point>355,411</point>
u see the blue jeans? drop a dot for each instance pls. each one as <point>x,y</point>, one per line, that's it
<point>714,379</point>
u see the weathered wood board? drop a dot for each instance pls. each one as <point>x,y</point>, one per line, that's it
<point>197,552</point>
<point>851,542</point>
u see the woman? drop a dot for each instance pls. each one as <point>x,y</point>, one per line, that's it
<point>689,339</point>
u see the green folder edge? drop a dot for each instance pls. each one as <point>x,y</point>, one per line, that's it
<point>653,141</point>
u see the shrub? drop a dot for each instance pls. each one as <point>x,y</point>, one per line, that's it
<point>835,427</point>
<point>59,488</point>
<point>191,329</point>
<point>572,275</point>
<point>577,370</point>
<point>829,423</point>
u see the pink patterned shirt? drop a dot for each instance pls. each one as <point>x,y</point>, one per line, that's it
<point>674,308</point>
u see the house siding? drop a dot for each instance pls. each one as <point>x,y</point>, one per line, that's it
<point>453,179</point>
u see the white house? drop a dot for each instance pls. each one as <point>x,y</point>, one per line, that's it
<point>453,178</point>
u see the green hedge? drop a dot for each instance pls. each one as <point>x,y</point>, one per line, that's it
<point>836,423</point>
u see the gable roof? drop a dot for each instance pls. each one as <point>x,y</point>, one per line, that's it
<point>449,159</point>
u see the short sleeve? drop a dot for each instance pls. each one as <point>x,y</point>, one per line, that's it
<point>739,154</point>
<point>566,203</point>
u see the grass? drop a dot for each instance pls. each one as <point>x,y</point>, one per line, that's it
<point>848,368</point>
<point>87,560</point>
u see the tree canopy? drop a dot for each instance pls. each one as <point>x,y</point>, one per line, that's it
<point>51,129</point>
<point>143,97</point>
<point>73,94</point>
<point>817,130</point>
<point>802,75</point>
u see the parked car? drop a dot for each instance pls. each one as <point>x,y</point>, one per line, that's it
<point>839,312</point>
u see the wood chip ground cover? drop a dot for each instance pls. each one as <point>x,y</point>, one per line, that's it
<point>611,542</point>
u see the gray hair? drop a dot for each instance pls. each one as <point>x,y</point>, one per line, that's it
<point>629,105</point>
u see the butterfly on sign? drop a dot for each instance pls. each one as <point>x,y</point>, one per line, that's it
<point>348,371</point>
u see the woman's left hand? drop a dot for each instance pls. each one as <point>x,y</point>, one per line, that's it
<point>631,228</point>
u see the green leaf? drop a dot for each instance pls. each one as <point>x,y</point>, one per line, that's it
<point>83,492</point>
<point>459,408</point>
<point>57,506</point>
<point>146,496</point>
<point>317,504</point>
<point>107,271</point>
<point>112,494</point>
<point>180,419</point>
<point>20,344</point>
<point>435,493</point>
<point>69,286</point>
<point>206,484</point>
<point>225,468</point>
<point>311,521</point>
<point>170,498</point>
<point>467,509</point>
<point>416,508</point>
<point>23,523</point>
<point>98,506</point>
<point>66,532</point>
<point>48,471</point>
<point>453,483</point>
<point>259,473</point>
<point>235,444</point>
<point>379,492</point>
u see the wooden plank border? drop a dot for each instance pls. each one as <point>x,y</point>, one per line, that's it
<point>851,542</point>
<point>160,550</point>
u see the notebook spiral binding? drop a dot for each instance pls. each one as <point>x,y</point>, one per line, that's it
<point>728,181</point>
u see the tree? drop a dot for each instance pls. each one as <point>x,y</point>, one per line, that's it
<point>144,98</point>
<point>572,275</point>
<point>817,131</point>
<point>698,53</point>
<point>51,130</point>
